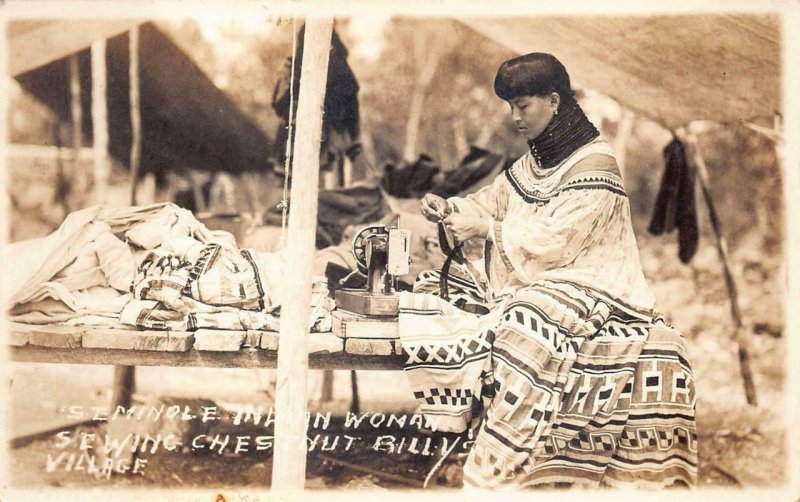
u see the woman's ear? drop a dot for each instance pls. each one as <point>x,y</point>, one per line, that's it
<point>555,100</point>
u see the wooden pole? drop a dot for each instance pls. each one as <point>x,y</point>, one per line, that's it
<point>125,376</point>
<point>100,121</point>
<point>76,179</point>
<point>730,282</point>
<point>76,110</point>
<point>289,466</point>
<point>124,385</point>
<point>355,403</point>
<point>136,116</point>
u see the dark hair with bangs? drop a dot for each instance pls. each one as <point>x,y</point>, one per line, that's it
<point>534,74</point>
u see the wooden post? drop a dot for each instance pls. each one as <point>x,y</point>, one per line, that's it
<point>75,108</point>
<point>289,466</point>
<point>100,121</point>
<point>125,376</point>
<point>124,384</point>
<point>326,393</point>
<point>722,249</point>
<point>355,403</point>
<point>136,116</point>
<point>76,179</point>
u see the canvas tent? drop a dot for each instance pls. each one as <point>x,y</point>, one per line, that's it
<point>672,69</point>
<point>186,120</point>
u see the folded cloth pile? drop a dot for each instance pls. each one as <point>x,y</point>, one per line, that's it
<point>153,267</point>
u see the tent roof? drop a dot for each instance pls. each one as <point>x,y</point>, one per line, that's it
<point>36,43</point>
<point>187,121</point>
<point>672,69</point>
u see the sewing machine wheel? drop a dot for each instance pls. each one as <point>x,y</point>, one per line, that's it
<point>360,250</point>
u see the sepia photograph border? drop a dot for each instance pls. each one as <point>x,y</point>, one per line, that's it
<point>789,13</point>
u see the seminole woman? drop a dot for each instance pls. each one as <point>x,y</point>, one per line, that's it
<point>570,377</point>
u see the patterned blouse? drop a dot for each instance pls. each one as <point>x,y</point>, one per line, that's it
<point>568,223</point>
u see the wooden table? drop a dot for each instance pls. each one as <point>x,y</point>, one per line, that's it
<point>64,344</point>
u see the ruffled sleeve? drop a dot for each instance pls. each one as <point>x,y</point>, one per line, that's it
<point>556,235</point>
<point>490,201</point>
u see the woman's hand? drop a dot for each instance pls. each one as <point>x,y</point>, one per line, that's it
<point>463,228</point>
<point>434,208</point>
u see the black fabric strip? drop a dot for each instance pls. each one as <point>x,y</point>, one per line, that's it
<point>249,257</point>
<point>506,442</point>
<point>598,186</point>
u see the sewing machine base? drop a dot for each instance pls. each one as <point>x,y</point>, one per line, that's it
<point>364,327</point>
<point>366,303</point>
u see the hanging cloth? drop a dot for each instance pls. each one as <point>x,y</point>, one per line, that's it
<point>675,205</point>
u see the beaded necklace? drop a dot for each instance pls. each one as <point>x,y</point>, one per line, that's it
<point>566,132</point>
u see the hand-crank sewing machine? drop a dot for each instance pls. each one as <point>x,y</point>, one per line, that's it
<point>383,254</point>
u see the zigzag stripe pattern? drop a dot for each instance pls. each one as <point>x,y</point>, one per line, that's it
<point>596,183</point>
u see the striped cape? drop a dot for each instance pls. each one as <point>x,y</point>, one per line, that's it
<point>575,388</point>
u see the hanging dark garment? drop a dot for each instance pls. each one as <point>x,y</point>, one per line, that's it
<point>410,180</point>
<point>338,208</point>
<point>477,165</point>
<point>420,177</point>
<point>341,111</point>
<point>675,205</point>
<point>341,90</point>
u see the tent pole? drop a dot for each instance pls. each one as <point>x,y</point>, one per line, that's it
<point>124,377</point>
<point>76,111</point>
<point>730,283</point>
<point>289,467</point>
<point>136,116</point>
<point>77,179</point>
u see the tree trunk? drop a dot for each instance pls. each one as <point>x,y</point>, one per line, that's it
<point>490,127</point>
<point>102,169</point>
<point>413,123</point>
<point>136,117</point>
<point>428,51</point>
<point>622,138</point>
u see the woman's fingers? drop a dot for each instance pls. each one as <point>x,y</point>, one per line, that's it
<point>434,207</point>
<point>426,209</point>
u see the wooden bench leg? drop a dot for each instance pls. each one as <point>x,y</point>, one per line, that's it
<point>355,404</point>
<point>326,394</point>
<point>124,384</point>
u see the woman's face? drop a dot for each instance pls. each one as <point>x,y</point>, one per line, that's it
<point>531,114</point>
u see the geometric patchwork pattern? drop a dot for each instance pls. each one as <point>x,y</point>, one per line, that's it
<point>563,403</point>
<point>531,321</point>
<point>446,352</point>
<point>453,397</point>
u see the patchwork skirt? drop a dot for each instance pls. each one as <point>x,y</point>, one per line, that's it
<point>559,384</point>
